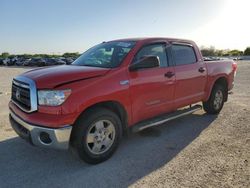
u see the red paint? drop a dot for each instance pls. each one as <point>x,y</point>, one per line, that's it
<point>149,92</point>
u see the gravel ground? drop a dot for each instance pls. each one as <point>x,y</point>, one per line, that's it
<point>198,150</point>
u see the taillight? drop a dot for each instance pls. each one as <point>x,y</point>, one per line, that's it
<point>234,66</point>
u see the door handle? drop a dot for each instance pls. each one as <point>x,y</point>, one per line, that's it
<point>201,69</point>
<point>169,74</point>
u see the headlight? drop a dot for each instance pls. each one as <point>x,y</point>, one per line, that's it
<point>52,97</point>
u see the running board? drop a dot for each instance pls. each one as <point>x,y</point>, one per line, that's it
<point>165,118</point>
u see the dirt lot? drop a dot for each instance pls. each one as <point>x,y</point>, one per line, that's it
<point>196,151</point>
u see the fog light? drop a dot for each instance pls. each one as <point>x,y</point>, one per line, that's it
<point>45,138</point>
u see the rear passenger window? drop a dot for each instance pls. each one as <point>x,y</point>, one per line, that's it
<point>155,50</point>
<point>183,54</point>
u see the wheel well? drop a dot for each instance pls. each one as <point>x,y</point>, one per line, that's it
<point>223,82</point>
<point>115,107</point>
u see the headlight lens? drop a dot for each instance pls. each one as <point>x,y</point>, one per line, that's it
<point>52,97</point>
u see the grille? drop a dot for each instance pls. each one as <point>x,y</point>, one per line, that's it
<point>21,95</point>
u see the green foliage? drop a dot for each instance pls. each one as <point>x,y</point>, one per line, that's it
<point>220,52</point>
<point>226,54</point>
<point>247,51</point>
<point>208,51</point>
<point>44,56</point>
<point>211,51</point>
<point>235,53</point>
<point>5,54</point>
<point>76,54</point>
<point>27,55</point>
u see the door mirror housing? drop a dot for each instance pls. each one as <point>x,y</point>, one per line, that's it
<point>145,62</point>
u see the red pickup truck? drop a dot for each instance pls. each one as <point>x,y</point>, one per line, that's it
<point>113,88</point>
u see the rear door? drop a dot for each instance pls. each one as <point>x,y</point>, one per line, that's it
<point>152,89</point>
<point>190,75</point>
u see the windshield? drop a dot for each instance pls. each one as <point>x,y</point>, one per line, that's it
<point>106,55</point>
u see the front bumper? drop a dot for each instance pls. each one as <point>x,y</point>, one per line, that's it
<point>57,138</point>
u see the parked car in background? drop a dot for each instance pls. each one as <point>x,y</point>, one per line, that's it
<point>8,62</point>
<point>207,59</point>
<point>54,61</point>
<point>237,58</point>
<point>14,60</point>
<point>69,60</point>
<point>37,62</point>
<point>60,61</point>
<point>20,61</point>
<point>1,61</point>
<point>26,62</point>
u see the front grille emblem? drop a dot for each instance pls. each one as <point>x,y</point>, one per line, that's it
<point>18,94</point>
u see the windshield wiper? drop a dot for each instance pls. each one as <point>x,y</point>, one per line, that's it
<point>91,65</point>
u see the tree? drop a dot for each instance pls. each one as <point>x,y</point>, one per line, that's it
<point>76,54</point>
<point>219,52</point>
<point>208,51</point>
<point>247,51</point>
<point>5,54</point>
<point>27,55</point>
<point>235,52</point>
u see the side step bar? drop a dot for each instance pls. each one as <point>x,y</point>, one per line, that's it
<point>165,118</point>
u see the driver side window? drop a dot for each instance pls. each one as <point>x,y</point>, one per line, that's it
<point>154,50</point>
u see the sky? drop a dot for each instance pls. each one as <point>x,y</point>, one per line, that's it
<point>58,26</point>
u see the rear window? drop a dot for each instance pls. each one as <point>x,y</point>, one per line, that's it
<point>183,54</point>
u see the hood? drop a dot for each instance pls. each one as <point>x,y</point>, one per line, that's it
<point>58,75</point>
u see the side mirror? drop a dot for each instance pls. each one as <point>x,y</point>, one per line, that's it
<point>145,62</point>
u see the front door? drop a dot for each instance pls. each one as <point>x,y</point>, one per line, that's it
<point>152,89</point>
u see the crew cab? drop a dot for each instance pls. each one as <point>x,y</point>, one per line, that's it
<point>114,88</point>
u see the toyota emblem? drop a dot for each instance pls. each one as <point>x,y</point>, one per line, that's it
<point>18,94</point>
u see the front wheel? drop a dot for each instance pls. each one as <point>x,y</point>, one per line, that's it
<point>97,135</point>
<point>215,101</point>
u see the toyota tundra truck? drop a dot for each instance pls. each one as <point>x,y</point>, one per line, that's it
<point>114,88</point>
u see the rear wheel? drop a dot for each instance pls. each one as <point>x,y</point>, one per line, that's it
<point>216,100</point>
<point>97,134</point>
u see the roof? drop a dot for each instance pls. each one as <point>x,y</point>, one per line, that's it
<point>147,39</point>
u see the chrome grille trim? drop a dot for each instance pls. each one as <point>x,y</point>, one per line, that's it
<point>31,85</point>
<point>21,85</point>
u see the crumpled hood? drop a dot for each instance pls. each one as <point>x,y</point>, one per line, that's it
<point>58,75</point>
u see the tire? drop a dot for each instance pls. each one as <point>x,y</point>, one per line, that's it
<point>97,135</point>
<point>216,100</point>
